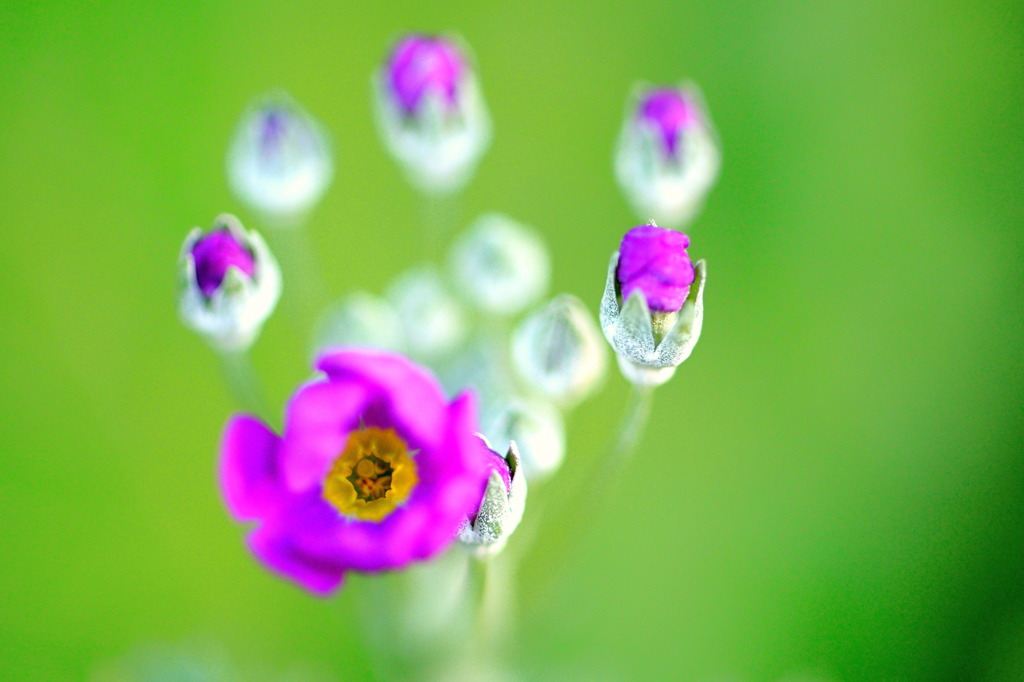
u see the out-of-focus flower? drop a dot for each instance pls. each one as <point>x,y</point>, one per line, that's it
<point>361,320</point>
<point>653,305</point>
<point>432,321</point>
<point>500,265</point>
<point>228,283</point>
<point>280,161</point>
<point>668,157</point>
<point>373,470</point>
<point>430,111</point>
<point>501,503</point>
<point>538,431</point>
<point>558,350</point>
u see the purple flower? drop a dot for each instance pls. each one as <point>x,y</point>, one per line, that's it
<point>373,470</point>
<point>214,253</point>
<point>422,64</point>
<point>668,112</point>
<point>654,261</point>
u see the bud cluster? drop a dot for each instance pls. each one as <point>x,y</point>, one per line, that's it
<point>363,438</point>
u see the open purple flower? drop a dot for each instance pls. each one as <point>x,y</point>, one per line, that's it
<point>654,261</point>
<point>374,469</point>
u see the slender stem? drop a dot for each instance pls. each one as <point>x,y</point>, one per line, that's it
<point>242,382</point>
<point>638,411</point>
<point>302,273</point>
<point>440,213</point>
<point>606,470</point>
<point>493,612</point>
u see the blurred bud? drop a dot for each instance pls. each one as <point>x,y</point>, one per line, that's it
<point>558,350</point>
<point>502,505</point>
<point>539,433</point>
<point>430,111</point>
<point>360,319</point>
<point>280,160</point>
<point>501,265</point>
<point>433,323</point>
<point>668,157</point>
<point>228,284</point>
<point>658,325</point>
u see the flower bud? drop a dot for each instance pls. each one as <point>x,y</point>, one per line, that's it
<point>653,305</point>
<point>501,506</point>
<point>430,111</point>
<point>668,157</point>
<point>539,432</point>
<point>280,160</point>
<point>501,265</point>
<point>229,283</point>
<point>362,320</point>
<point>558,350</point>
<point>433,323</point>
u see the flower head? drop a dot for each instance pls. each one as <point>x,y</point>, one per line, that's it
<point>229,283</point>
<point>652,310</point>
<point>500,503</point>
<point>667,158</point>
<point>373,470</point>
<point>280,160</point>
<point>430,111</point>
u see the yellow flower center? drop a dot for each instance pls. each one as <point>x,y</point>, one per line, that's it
<point>371,476</point>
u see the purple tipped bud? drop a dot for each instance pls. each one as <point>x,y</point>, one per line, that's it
<point>422,64</point>
<point>498,463</point>
<point>431,112</point>
<point>667,158</point>
<point>669,113</point>
<point>228,283</point>
<point>214,253</point>
<point>654,260</point>
<point>501,503</point>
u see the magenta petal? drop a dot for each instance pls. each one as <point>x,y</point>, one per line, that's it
<point>412,395</point>
<point>319,419</point>
<point>282,554</point>
<point>464,464</point>
<point>249,477</point>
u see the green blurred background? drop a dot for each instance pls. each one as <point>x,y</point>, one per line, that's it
<point>832,486</point>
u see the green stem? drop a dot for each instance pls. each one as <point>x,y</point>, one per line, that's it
<point>638,411</point>
<point>606,470</point>
<point>493,613</point>
<point>440,214</point>
<point>302,275</point>
<point>243,383</point>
